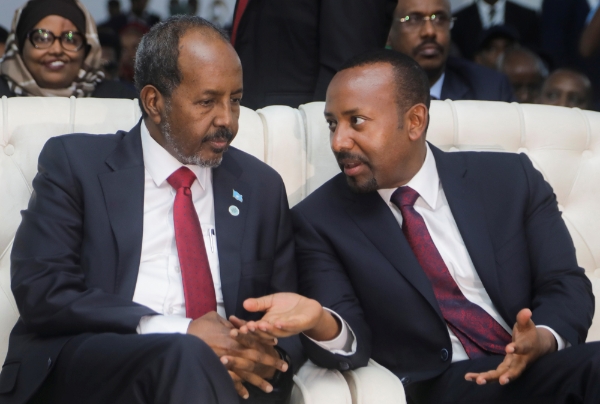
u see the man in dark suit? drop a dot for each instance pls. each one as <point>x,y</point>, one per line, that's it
<point>483,14</point>
<point>421,30</point>
<point>427,258</point>
<point>290,49</point>
<point>159,231</point>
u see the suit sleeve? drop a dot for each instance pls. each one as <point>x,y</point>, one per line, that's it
<point>322,277</point>
<point>48,280</point>
<point>506,91</point>
<point>562,293</point>
<point>346,29</point>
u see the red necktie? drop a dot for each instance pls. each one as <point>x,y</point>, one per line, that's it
<point>477,331</point>
<point>198,286</point>
<point>239,11</point>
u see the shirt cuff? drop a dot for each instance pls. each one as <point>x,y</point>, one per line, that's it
<point>561,343</point>
<point>344,344</point>
<point>160,324</point>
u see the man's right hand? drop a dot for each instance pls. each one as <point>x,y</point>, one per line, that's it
<point>245,353</point>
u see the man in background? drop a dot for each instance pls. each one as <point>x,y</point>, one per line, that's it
<point>526,72</point>
<point>291,49</point>
<point>567,88</point>
<point>421,30</point>
<point>483,14</point>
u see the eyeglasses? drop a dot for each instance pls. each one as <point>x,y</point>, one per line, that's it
<point>43,39</point>
<point>415,21</point>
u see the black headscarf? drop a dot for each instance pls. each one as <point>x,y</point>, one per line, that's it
<point>36,10</point>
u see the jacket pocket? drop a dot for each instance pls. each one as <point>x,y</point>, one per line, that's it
<point>8,377</point>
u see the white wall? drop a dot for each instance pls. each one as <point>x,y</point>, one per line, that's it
<point>98,8</point>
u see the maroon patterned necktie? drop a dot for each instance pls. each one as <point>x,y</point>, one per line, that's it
<point>198,287</point>
<point>477,331</point>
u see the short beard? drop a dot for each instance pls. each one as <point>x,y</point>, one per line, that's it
<point>369,186</point>
<point>221,133</point>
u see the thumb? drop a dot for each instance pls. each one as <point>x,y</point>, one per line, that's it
<point>259,304</point>
<point>524,320</point>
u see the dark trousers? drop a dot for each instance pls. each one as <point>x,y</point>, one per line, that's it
<point>569,376</point>
<point>132,369</point>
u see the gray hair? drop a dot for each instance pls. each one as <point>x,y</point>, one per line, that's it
<point>157,56</point>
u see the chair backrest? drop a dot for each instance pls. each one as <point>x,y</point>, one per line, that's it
<point>564,144</point>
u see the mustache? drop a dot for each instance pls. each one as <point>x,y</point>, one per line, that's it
<point>345,155</point>
<point>425,43</point>
<point>219,134</point>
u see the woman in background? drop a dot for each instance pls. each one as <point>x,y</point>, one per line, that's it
<point>53,51</point>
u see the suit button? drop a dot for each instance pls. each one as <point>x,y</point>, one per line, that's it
<point>344,366</point>
<point>444,354</point>
<point>49,362</point>
<point>405,380</point>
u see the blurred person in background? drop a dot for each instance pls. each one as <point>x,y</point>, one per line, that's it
<point>493,43</point>
<point>3,38</point>
<point>526,72</point>
<point>130,37</point>
<point>111,54</point>
<point>138,14</point>
<point>291,49</point>
<point>114,8</point>
<point>54,51</point>
<point>567,88</point>
<point>421,30</point>
<point>483,14</point>
<point>189,7</point>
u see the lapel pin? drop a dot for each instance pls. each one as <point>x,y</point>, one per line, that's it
<point>234,210</point>
<point>238,196</point>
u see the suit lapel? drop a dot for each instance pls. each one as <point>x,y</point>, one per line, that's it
<point>377,222</point>
<point>469,214</point>
<point>454,87</point>
<point>123,190</point>
<point>229,227</point>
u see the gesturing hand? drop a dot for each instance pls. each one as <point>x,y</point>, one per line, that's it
<point>288,314</point>
<point>528,344</point>
<point>245,356</point>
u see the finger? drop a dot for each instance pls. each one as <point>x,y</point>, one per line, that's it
<point>489,376</point>
<point>264,358</point>
<point>524,320</point>
<point>237,322</point>
<point>225,322</point>
<point>278,329</point>
<point>255,340</point>
<point>259,304</point>
<point>256,380</point>
<point>264,337</point>
<point>513,372</point>
<point>239,385</point>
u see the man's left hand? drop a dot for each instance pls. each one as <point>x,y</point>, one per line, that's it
<point>528,344</point>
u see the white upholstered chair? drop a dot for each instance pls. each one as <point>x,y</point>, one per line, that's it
<point>564,144</point>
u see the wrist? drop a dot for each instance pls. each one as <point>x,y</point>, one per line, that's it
<point>327,328</point>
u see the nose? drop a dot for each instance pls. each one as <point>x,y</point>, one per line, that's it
<point>341,139</point>
<point>427,29</point>
<point>56,47</point>
<point>225,115</point>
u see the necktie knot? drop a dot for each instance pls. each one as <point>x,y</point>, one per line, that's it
<point>404,196</point>
<point>182,178</point>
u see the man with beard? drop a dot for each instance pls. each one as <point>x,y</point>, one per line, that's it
<point>453,270</point>
<point>136,247</point>
<point>421,30</point>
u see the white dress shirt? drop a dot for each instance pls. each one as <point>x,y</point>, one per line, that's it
<point>433,207</point>
<point>159,284</point>
<point>485,11</point>
<point>436,88</point>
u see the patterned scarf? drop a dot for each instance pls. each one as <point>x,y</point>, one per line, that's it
<point>20,81</point>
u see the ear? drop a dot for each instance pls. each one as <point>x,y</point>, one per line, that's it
<point>418,120</point>
<point>153,103</point>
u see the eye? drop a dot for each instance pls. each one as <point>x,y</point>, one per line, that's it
<point>332,125</point>
<point>236,100</point>
<point>206,103</point>
<point>357,120</point>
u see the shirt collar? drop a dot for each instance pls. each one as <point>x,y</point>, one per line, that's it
<point>436,89</point>
<point>426,182</point>
<point>160,164</point>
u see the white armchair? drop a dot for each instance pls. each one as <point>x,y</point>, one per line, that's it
<point>564,144</point>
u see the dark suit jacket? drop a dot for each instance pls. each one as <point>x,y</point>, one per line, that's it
<point>467,28</point>
<point>469,81</point>
<point>353,257</point>
<point>291,49</point>
<point>76,254</point>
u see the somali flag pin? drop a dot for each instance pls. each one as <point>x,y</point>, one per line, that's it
<point>238,196</point>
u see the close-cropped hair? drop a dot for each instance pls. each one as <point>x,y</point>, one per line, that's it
<point>157,56</point>
<point>412,84</point>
